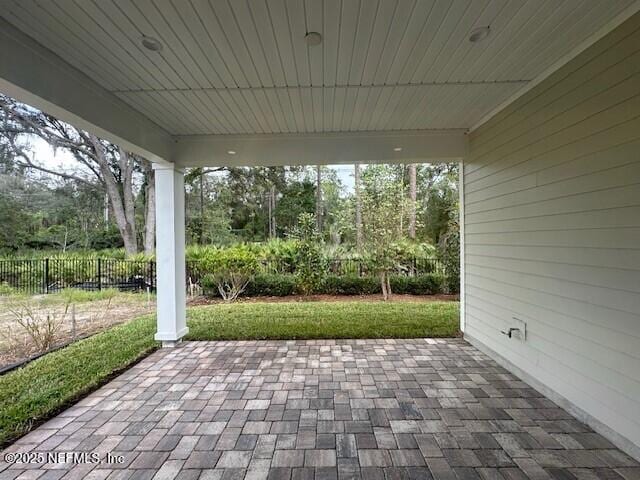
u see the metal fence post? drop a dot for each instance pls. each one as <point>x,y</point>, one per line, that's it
<point>46,276</point>
<point>99,274</point>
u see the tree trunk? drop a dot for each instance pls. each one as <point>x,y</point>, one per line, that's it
<point>383,285</point>
<point>126,227</point>
<point>356,174</point>
<point>412,200</point>
<point>201,236</point>
<point>318,199</point>
<point>272,209</point>
<point>150,210</point>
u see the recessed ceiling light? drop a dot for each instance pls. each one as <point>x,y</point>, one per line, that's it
<point>231,152</point>
<point>151,43</point>
<point>397,149</point>
<point>479,34</point>
<point>313,39</point>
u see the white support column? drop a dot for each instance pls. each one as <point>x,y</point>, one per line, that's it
<point>461,221</point>
<point>170,255</point>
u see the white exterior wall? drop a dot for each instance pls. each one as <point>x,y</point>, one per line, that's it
<point>552,235</point>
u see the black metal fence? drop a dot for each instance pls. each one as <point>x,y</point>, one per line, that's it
<point>50,275</point>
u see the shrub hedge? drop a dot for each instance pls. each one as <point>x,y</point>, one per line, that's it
<point>281,285</point>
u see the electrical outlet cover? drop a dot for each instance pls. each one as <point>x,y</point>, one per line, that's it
<point>522,326</point>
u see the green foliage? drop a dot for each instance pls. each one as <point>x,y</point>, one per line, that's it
<point>449,252</point>
<point>439,190</point>
<point>350,285</point>
<point>74,295</point>
<point>429,284</point>
<point>281,285</point>
<point>229,269</point>
<point>6,290</point>
<point>296,198</point>
<point>310,263</point>
<point>384,210</point>
<point>272,285</point>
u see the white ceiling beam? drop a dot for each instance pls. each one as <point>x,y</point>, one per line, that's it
<point>32,74</point>
<point>415,146</point>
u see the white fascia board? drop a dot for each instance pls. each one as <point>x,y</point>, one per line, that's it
<point>32,74</point>
<point>416,146</point>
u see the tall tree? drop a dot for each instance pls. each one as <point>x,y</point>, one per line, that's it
<point>109,165</point>
<point>358,206</point>
<point>383,205</point>
<point>412,200</point>
<point>319,198</point>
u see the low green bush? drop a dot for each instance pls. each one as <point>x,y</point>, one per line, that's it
<point>281,285</point>
<point>350,285</point>
<point>272,285</point>
<point>419,285</point>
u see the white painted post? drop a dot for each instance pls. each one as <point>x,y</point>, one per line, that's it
<point>170,255</point>
<point>462,239</point>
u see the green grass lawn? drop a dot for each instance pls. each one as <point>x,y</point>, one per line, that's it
<point>45,386</point>
<point>243,321</point>
<point>42,388</point>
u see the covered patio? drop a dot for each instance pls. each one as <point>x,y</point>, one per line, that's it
<point>344,409</point>
<point>538,100</point>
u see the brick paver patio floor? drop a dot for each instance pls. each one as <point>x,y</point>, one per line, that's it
<point>370,409</point>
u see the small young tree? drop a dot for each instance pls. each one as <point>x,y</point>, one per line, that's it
<point>383,204</point>
<point>310,264</point>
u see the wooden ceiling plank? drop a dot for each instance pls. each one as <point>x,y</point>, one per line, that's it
<point>331,41</point>
<point>349,15</point>
<point>128,25</point>
<point>512,20</point>
<point>386,14</point>
<point>413,35</point>
<point>459,32</point>
<point>236,41</point>
<point>577,31</point>
<point>164,20</point>
<point>267,41</point>
<point>557,13</point>
<point>364,31</point>
<point>227,114</point>
<point>284,99</point>
<point>495,14</point>
<point>295,11</point>
<point>442,34</point>
<point>219,40</point>
<point>327,110</point>
<point>396,33</point>
<point>315,22</point>
<point>43,35</point>
<point>282,33</point>
<point>213,115</point>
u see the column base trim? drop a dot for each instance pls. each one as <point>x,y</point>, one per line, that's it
<point>171,336</point>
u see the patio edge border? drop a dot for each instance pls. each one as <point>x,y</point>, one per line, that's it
<point>614,437</point>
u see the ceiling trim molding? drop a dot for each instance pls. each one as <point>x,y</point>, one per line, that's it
<point>325,87</point>
<point>33,74</point>
<point>561,62</point>
<point>416,146</point>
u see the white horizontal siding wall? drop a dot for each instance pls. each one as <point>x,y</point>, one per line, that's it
<point>552,234</point>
